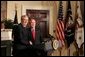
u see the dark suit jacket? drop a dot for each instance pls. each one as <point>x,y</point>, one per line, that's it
<point>37,43</point>
<point>21,37</point>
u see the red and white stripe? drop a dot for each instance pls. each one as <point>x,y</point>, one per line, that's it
<point>60,32</point>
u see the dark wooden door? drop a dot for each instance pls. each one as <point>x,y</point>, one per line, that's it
<point>42,18</point>
<point>43,27</point>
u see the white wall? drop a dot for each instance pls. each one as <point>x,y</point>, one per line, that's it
<point>21,10</point>
<point>47,5</point>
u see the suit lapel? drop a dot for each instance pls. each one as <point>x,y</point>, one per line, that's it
<point>35,35</point>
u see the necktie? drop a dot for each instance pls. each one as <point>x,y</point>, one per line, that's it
<point>33,34</point>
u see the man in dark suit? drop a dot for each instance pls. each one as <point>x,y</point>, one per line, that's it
<point>36,38</point>
<point>21,38</point>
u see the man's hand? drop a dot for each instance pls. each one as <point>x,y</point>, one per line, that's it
<point>30,42</point>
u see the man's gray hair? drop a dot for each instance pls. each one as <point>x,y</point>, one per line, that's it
<point>24,16</point>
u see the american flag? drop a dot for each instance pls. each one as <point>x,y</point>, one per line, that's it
<point>60,26</point>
